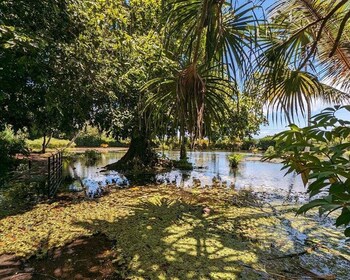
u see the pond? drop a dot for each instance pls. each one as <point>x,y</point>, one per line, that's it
<point>210,168</point>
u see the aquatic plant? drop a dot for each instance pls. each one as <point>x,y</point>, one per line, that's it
<point>183,164</point>
<point>161,233</point>
<point>235,159</point>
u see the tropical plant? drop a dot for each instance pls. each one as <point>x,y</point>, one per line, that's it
<point>234,160</point>
<point>324,167</point>
<point>305,47</point>
<point>265,142</point>
<point>215,40</point>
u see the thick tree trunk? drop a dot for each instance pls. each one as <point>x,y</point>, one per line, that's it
<point>183,154</point>
<point>140,155</point>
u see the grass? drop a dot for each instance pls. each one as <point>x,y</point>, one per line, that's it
<point>55,143</point>
<point>161,233</point>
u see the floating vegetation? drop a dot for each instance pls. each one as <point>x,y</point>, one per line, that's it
<point>173,233</point>
<point>183,164</point>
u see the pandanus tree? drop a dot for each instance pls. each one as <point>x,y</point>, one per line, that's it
<point>305,47</point>
<point>215,39</point>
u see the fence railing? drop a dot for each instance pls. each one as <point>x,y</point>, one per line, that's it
<point>54,173</point>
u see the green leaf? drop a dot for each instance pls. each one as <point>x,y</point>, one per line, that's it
<point>347,230</point>
<point>344,218</point>
<point>312,204</point>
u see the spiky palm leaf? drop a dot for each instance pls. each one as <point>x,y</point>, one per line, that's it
<point>215,41</point>
<point>298,53</point>
<point>188,106</point>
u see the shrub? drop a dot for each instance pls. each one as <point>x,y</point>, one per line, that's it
<point>266,142</point>
<point>270,151</point>
<point>183,164</point>
<point>318,154</point>
<point>248,144</point>
<point>93,138</point>
<point>92,154</point>
<point>55,143</point>
<point>235,159</point>
<point>224,144</point>
<point>202,144</point>
<point>10,145</point>
<point>88,141</point>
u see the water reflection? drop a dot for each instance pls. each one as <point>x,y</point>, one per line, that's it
<point>210,168</point>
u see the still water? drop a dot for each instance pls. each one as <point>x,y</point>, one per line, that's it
<point>210,167</point>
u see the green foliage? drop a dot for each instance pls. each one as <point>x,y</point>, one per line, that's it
<point>10,145</point>
<point>223,143</point>
<point>318,154</point>
<point>182,164</point>
<point>300,49</point>
<point>265,142</point>
<point>235,159</point>
<point>87,140</point>
<point>270,151</point>
<point>54,143</point>
<point>248,144</point>
<point>93,138</point>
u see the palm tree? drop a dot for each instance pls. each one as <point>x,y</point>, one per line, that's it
<point>215,40</point>
<point>305,44</point>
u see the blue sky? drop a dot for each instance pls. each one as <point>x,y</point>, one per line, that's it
<point>276,126</point>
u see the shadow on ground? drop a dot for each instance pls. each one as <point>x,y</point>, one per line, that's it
<point>170,239</point>
<point>85,258</point>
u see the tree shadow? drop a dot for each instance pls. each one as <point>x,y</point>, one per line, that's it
<point>84,258</point>
<point>171,239</point>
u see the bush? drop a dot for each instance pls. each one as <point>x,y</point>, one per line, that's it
<point>10,145</point>
<point>318,154</point>
<point>224,144</point>
<point>202,144</point>
<point>93,138</point>
<point>270,151</point>
<point>86,140</point>
<point>55,143</point>
<point>235,159</point>
<point>248,144</point>
<point>266,142</point>
<point>183,164</point>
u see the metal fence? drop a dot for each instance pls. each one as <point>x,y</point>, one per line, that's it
<point>54,173</point>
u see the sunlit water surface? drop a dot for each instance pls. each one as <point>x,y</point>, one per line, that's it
<point>210,167</point>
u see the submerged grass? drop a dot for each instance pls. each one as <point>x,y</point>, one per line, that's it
<point>164,233</point>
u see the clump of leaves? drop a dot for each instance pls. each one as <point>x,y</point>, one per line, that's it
<point>318,154</point>
<point>270,151</point>
<point>235,159</point>
<point>183,164</point>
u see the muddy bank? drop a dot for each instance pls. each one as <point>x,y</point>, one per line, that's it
<point>84,258</point>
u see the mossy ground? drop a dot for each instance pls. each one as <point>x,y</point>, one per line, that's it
<point>161,232</point>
